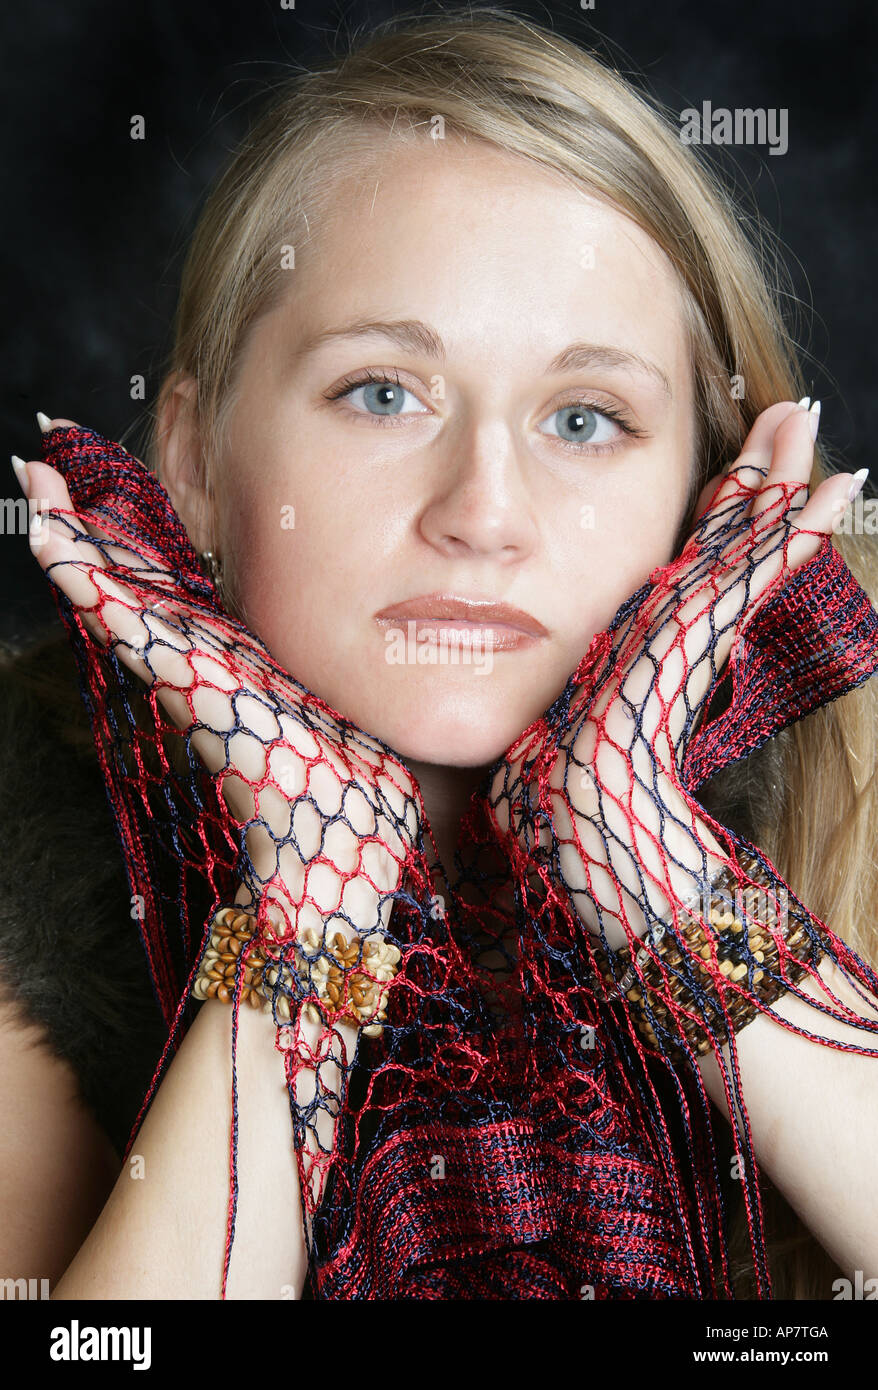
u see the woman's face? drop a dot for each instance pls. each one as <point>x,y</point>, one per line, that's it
<point>521,317</point>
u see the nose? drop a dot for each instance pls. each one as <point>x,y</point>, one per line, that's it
<point>480,498</point>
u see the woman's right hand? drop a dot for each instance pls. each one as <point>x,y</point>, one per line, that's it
<point>330,815</point>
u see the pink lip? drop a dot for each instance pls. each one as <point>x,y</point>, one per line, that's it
<point>510,627</point>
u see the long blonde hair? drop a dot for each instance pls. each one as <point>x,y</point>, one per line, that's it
<point>809,794</point>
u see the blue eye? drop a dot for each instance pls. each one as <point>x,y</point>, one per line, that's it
<point>381,394</point>
<point>579,424</point>
<point>383,398</point>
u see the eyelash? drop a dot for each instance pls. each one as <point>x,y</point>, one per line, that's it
<point>349,384</point>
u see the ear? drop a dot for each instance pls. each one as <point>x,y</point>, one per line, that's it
<point>180,464</point>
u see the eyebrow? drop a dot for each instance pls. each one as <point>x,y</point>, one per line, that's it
<point>413,335</point>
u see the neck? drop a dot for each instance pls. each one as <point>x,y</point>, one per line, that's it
<point>447,792</point>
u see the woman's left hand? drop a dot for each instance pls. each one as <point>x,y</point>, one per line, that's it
<point>604,803</point>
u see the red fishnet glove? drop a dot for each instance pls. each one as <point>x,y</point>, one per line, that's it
<point>594,794</point>
<point>326,815</point>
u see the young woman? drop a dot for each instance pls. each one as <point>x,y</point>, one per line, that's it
<point>466,335</point>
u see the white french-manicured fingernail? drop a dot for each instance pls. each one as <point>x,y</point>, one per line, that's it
<point>805,401</point>
<point>21,473</point>
<point>814,419</point>
<point>859,479</point>
<point>44,422</point>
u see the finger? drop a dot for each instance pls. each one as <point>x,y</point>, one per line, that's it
<point>119,553</point>
<point>39,476</point>
<point>53,542</point>
<point>744,478</point>
<point>825,509</point>
<point>807,519</point>
<point>109,608</point>
<point>819,517</point>
<point>768,482</point>
<point>43,489</point>
<point>792,461</point>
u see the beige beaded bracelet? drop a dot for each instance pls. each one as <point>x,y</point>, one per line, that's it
<point>744,952</point>
<point>348,976</point>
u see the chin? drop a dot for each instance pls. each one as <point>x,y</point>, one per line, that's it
<point>466,734</point>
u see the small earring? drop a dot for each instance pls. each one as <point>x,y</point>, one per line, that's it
<point>213,565</point>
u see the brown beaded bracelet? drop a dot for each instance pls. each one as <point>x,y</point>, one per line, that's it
<point>746,954</point>
<point>349,979</point>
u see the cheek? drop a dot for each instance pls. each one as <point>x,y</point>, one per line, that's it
<point>264,535</point>
<point>301,585</point>
<point>622,542</point>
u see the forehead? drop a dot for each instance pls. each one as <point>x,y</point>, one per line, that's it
<point>490,246</point>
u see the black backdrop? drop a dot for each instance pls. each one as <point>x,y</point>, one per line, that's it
<point>96,223</point>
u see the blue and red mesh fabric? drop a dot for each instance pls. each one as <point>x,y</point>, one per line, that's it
<point>507,1136</point>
